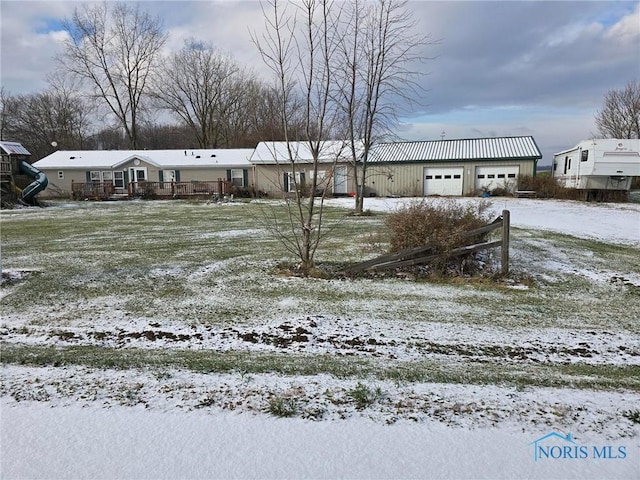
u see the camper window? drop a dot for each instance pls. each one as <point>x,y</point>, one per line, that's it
<point>585,156</point>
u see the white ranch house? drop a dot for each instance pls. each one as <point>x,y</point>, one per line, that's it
<point>165,173</point>
<point>439,167</point>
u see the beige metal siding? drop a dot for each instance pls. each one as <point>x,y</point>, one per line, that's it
<point>406,179</point>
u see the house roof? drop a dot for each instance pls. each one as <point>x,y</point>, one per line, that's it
<point>495,148</point>
<point>167,159</point>
<point>277,152</point>
<point>14,148</point>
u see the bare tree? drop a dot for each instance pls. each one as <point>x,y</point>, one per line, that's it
<point>5,113</point>
<point>204,88</point>
<point>113,47</point>
<point>619,117</point>
<point>41,121</point>
<point>379,51</point>
<point>298,48</point>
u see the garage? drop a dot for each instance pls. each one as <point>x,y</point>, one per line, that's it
<point>443,180</point>
<point>496,176</point>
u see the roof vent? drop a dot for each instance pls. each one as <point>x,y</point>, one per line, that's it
<point>72,158</point>
<point>213,155</point>
<point>197,156</point>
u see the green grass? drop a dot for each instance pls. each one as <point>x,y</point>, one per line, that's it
<point>606,377</point>
<point>197,264</point>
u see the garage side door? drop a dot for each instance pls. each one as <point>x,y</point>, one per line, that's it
<point>443,181</point>
<point>494,177</point>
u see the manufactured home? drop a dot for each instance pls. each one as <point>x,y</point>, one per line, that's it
<point>158,173</point>
<point>450,167</point>
<point>598,165</point>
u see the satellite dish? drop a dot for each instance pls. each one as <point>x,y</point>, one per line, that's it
<point>54,144</point>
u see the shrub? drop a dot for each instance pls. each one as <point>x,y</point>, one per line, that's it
<point>547,186</point>
<point>439,225</point>
<point>436,224</point>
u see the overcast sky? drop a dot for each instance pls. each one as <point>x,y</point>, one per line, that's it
<point>499,68</point>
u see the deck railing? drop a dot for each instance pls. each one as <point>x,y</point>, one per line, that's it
<point>103,191</point>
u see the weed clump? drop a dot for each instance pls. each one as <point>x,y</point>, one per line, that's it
<point>282,406</point>
<point>363,396</point>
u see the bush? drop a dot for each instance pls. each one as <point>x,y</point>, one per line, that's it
<point>547,186</point>
<point>438,225</point>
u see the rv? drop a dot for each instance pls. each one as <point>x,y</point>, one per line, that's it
<point>599,165</point>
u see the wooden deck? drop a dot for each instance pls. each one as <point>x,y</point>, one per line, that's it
<point>151,190</point>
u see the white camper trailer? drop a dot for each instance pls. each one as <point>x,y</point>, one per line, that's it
<point>598,165</point>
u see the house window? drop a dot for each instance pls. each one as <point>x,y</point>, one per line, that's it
<point>501,175</point>
<point>107,177</point>
<point>456,176</point>
<point>480,176</point>
<point>61,175</point>
<point>585,156</point>
<point>168,175</point>
<point>118,179</point>
<point>511,175</point>
<point>237,177</point>
<point>491,175</point>
<point>289,185</point>
<point>95,177</point>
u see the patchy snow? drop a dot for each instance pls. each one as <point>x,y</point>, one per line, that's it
<point>613,222</point>
<point>81,422</point>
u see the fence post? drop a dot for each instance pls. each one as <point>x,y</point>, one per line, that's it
<point>505,242</point>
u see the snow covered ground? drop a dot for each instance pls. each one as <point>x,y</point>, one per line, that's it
<point>613,222</point>
<point>135,423</point>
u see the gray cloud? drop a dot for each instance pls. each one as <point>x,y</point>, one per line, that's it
<point>500,68</point>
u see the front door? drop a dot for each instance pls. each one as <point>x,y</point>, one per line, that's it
<point>340,180</point>
<point>138,174</point>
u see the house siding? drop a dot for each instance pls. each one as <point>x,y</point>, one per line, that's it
<point>269,178</point>
<point>407,179</point>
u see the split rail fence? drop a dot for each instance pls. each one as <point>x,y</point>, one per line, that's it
<point>424,254</point>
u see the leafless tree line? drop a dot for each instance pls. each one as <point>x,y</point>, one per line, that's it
<point>114,83</point>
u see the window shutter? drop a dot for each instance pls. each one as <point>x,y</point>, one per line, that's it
<point>177,175</point>
<point>88,177</point>
<point>126,176</point>
<point>285,182</point>
<point>301,178</point>
<point>161,175</point>
<point>229,174</point>
<point>245,177</point>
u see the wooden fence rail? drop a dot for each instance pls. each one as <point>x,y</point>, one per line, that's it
<point>425,254</point>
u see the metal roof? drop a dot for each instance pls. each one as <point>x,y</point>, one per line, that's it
<point>495,148</point>
<point>14,148</point>
<point>107,159</point>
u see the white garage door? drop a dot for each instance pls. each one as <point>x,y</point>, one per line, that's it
<point>443,181</point>
<point>494,177</point>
